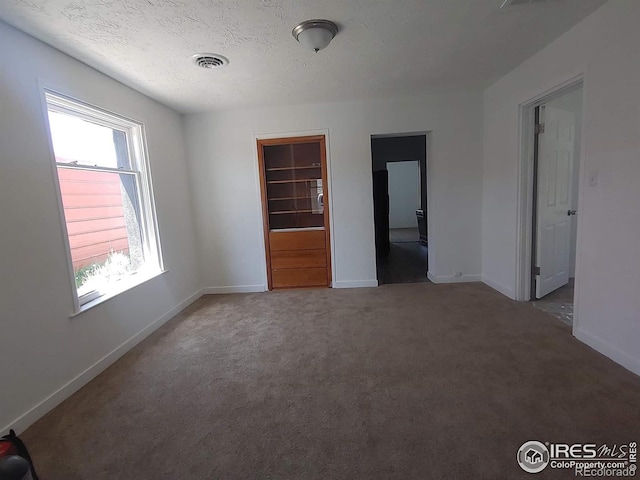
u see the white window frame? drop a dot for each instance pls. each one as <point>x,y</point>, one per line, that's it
<point>140,169</point>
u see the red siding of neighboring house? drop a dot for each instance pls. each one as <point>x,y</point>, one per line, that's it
<point>94,214</point>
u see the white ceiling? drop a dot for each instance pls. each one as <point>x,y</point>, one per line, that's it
<point>384,47</point>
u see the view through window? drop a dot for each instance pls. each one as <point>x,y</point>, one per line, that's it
<point>105,195</point>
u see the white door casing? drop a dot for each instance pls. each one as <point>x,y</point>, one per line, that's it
<point>555,174</point>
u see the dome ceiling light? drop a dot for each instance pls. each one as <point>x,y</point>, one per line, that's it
<point>315,34</point>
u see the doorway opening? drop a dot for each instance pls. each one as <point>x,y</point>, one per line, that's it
<point>557,143</point>
<point>399,166</point>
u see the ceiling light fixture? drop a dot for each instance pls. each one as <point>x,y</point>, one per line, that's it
<point>315,34</point>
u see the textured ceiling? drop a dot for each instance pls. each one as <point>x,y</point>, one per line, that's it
<point>384,47</point>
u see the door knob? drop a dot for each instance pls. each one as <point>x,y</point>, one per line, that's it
<point>572,212</point>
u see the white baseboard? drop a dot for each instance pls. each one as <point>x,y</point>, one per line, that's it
<point>608,350</point>
<point>236,289</point>
<point>452,279</point>
<point>355,283</point>
<point>56,398</point>
<point>263,288</point>
<point>507,292</point>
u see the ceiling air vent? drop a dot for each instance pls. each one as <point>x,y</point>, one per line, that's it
<point>513,3</point>
<point>209,60</point>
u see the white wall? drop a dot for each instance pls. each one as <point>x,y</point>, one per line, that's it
<point>227,208</point>
<point>42,349</point>
<point>572,102</point>
<point>404,194</point>
<point>605,48</point>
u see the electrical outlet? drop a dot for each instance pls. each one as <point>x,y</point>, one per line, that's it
<point>457,274</point>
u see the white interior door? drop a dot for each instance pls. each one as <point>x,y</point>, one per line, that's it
<point>555,173</point>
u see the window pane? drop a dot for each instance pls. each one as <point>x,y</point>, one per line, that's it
<point>81,142</point>
<point>102,214</point>
<point>107,204</point>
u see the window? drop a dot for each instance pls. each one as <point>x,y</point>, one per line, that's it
<point>106,196</point>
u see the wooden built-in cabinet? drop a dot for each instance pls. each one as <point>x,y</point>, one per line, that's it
<point>293,178</point>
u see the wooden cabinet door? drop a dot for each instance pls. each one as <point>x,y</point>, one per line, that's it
<point>293,180</point>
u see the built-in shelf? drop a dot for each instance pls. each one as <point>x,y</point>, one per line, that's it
<point>290,198</point>
<point>293,176</point>
<point>297,229</point>
<point>281,169</point>
<point>303,180</point>
<point>290,212</point>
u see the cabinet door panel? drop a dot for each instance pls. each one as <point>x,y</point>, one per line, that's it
<point>298,259</point>
<point>299,277</point>
<point>301,240</point>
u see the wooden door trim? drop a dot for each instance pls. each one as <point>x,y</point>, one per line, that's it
<point>262,142</point>
<point>325,201</point>
<point>265,210</point>
<point>290,140</point>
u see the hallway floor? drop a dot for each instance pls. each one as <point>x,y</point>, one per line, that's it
<point>407,263</point>
<point>559,303</point>
<point>402,235</point>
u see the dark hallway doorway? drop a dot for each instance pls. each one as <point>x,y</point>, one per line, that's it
<point>400,205</point>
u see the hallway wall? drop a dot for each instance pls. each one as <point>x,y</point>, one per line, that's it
<point>386,149</point>
<point>404,194</point>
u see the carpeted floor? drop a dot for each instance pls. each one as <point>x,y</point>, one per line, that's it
<point>416,381</point>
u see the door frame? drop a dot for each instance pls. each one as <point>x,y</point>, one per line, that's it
<point>428,134</point>
<point>328,198</point>
<point>526,177</point>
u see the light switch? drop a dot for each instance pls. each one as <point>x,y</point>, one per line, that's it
<point>593,179</point>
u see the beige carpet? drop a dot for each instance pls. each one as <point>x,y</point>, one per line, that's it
<point>403,382</point>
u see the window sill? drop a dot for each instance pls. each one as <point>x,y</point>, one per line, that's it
<point>127,285</point>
